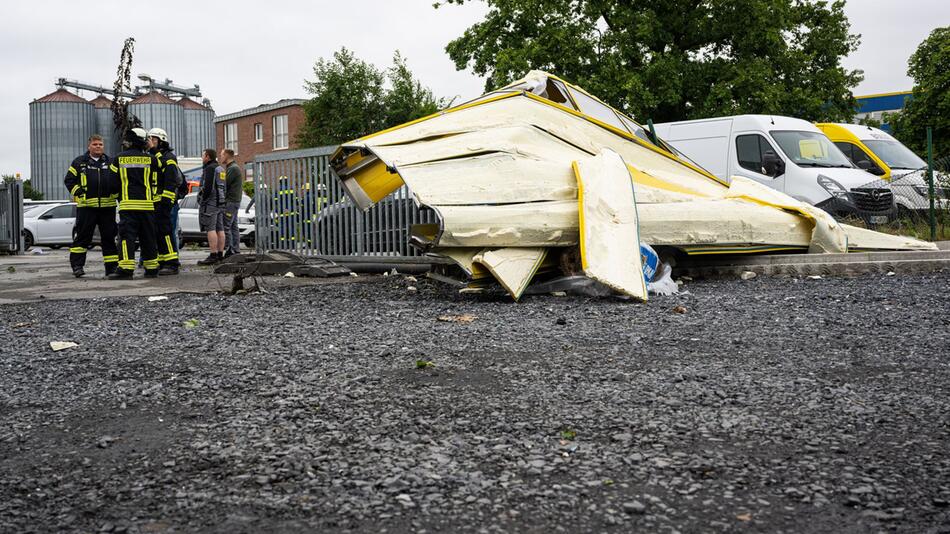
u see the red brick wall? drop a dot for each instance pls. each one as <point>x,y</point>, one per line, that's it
<point>247,149</point>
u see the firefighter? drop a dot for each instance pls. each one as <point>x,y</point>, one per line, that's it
<point>284,210</point>
<point>90,182</point>
<point>134,167</point>
<point>164,192</point>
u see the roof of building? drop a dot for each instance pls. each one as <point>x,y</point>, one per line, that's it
<point>153,97</point>
<point>188,103</point>
<point>101,101</point>
<point>882,101</point>
<point>61,95</point>
<point>263,108</point>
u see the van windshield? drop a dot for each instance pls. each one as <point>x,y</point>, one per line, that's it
<point>894,154</point>
<point>810,149</point>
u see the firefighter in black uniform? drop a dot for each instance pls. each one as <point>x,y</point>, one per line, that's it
<point>164,193</point>
<point>135,168</point>
<point>90,182</point>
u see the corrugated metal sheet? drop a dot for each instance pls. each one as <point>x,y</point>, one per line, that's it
<point>104,124</point>
<point>156,110</point>
<point>199,128</point>
<point>60,125</point>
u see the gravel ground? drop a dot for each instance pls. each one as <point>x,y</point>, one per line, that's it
<point>776,405</point>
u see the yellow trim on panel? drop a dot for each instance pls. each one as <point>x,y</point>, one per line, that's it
<point>649,180</point>
<point>894,93</point>
<point>377,182</point>
<point>732,249</point>
<point>580,214</point>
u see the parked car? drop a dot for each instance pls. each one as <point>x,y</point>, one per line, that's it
<point>190,231</point>
<point>787,154</point>
<point>880,154</point>
<point>49,224</point>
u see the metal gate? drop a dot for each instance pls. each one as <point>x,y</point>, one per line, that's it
<point>11,216</point>
<point>300,207</point>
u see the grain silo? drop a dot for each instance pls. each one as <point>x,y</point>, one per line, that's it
<point>105,125</point>
<point>199,128</point>
<point>156,110</point>
<point>60,126</point>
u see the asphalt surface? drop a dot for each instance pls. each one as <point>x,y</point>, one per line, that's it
<point>35,277</point>
<point>765,405</point>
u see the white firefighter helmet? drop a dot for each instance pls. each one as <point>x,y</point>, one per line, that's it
<point>138,133</point>
<point>159,134</point>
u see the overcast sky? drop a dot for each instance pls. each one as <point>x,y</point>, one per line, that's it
<point>243,53</point>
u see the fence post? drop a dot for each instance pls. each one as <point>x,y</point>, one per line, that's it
<point>930,184</point>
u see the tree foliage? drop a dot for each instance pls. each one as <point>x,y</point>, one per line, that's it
<point>674,59</point>
<point>929,105</point>
<point>28,192</point>
<point>353,98</point>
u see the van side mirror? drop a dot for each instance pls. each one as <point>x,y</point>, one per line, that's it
<point>772,164</point>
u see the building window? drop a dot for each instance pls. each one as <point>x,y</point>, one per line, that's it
<point>281,135</point>
<point>258,132</point>
<point>230,136</point>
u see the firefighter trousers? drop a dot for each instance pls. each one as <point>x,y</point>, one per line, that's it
<point>138,226</point>
<point>167,247</point>
<point>87,219</point>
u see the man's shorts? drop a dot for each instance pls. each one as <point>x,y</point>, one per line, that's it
<point>211,218</point>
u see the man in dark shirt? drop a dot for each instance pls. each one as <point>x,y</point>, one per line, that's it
<point>234,191</point>
<point>211,205</point>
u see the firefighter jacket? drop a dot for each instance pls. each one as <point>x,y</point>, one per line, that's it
<point>168,177</point>
<point>213,184</point>
<point>135,169</point>
<point>91,182</point>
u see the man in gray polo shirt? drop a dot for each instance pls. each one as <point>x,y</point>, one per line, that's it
<point>232,203</point>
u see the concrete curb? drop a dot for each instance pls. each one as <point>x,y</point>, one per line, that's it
<point>795,265</point>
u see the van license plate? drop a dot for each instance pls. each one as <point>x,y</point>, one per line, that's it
<point>878,219</point>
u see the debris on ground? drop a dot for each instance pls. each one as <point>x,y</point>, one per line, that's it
<point>62,345</point>
<point>747,275</point>
<point>679,309</point>
<point>463,319</point>
<point>157,298</point>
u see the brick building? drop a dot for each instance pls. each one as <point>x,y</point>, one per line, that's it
<point>261,130</point>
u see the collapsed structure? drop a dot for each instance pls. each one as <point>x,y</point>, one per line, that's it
<point>536,174</point>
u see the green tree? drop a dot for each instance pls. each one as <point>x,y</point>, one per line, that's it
<point>929,105</point>
<point>351,98</point>
<point>28,192</point>
<point>674,59</point>
<point>406,99</point>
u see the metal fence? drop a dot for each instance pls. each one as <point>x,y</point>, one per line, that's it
<point>300,207</point>
<point>11,216</point>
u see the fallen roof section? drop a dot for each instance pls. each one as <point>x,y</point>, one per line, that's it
<point>500,174</point>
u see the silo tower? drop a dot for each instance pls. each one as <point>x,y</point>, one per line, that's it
<point>60,126</point>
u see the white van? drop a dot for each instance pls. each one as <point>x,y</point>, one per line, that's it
<point>790,155</point>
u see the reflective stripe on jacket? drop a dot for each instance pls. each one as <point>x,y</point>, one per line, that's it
<point>135,170</point>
